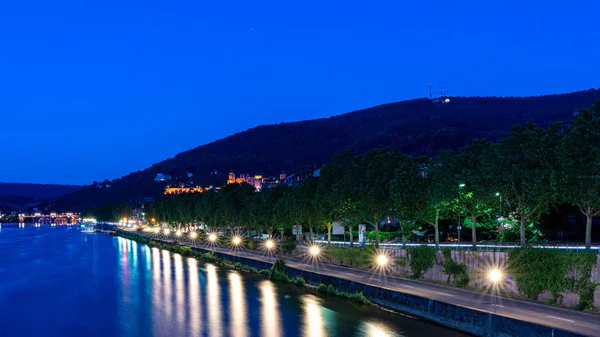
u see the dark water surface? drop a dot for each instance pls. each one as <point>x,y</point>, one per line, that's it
<point>56,281</point>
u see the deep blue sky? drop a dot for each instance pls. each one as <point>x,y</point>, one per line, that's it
<point>97,90</point>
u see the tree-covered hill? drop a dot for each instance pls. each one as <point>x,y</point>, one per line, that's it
<point>418,126</point>
<point>15,196</point>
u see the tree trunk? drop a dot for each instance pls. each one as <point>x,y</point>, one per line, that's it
<point>281,241</point>
<point>522,232</point>
<point>474,230</point>
<point>376,224</point>
<point>329,233</point>
<point>311,234</point>
<point>351,239</point>
<point>437,229</point>
<point>588,230</point>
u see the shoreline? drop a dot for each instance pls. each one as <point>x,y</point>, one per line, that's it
<point>447,313</point>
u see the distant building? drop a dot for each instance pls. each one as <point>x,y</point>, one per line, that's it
<point>162,177</point>
<point>231,179</point>
<point>182,190</point>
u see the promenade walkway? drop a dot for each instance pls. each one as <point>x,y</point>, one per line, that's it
<point>583,323</point>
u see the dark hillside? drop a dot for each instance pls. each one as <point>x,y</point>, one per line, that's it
<point>417,126</point>
<point>14,196</point>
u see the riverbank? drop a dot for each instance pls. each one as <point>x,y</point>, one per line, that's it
<point>456,308</point>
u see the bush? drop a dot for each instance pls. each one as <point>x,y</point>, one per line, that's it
<point>421,259</point>
<point>356,297</point>
<point>251,244</point>
<point>330,290</point>
<point>455,270</point>
<point>185,251</point>
<point>536,270</point>
<point>356,256</point>
<point>322,288</point>
<point>278,271</point>
<point>251,270</point>
<point>265,272</point>
<point>289,246</point>
<point>209,257</point>
<point>300,282</point>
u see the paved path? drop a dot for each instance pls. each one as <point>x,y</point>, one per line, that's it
<point>579,322</point>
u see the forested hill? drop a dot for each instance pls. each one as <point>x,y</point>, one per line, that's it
<point>418,126</point>
<point>14,196</point>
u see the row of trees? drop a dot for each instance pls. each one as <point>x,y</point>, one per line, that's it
<point>517,179</point>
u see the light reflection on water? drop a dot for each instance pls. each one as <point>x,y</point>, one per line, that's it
<point>141,291</point>
<point>214,301</point>
<point>270,318</point>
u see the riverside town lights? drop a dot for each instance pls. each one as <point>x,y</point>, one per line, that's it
<point>212,237</point>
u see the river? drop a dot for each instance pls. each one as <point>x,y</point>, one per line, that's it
<point>56,281</point>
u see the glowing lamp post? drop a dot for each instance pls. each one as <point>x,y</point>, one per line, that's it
<point>314,250</point>
<point>236,241</point>
<point>495,276</point>
<point>156,230</point>
<point>382,260</point>
<point>269,245</point>
<point>178,233</point>
<point>212,238</point>
<point>167,231</point>
<point>193,235</point>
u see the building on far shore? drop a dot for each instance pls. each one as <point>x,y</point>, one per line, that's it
<point>189,189</point>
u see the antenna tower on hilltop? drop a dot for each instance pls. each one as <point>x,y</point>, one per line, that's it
<point>430,90</point>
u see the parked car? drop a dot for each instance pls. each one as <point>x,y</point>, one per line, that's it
<point>263,236</point>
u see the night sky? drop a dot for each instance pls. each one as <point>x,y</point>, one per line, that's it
<point>97,90</point>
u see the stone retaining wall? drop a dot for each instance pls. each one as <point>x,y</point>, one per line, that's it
<point>477,264</point>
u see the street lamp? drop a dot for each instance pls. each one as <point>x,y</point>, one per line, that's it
<point>178,233</point>
<point>156,230</point>
<point>193,235</point>
<point>212,237</point>
<point>314,250</point>
<point>269,245</point>
<point>236,240</point>
<point>382,260</point>
<point>167,231</point>
<point>495,276</point>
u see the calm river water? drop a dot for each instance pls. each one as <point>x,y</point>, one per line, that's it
<point>56,281</point>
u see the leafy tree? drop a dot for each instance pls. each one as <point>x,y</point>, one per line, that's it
<point>338,190</point>
<point>328,200</point>
<point>232,200</point>
<point>522,168</point>
<point>422,190</point>
<point>406,193</point>
<point>268,204</point>
<point>579,157</point>
<point>375,200</point>
<point>304,197</point>
<point>475,195</point>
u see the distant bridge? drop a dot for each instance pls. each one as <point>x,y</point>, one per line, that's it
<point>50,219</point>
